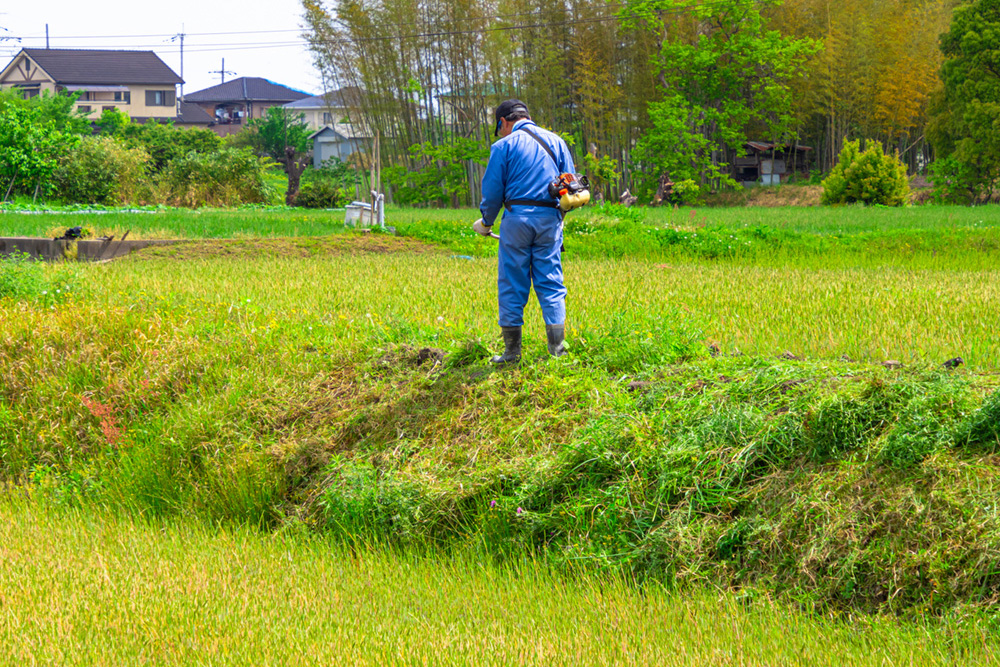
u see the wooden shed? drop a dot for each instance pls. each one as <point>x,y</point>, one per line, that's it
<point>767,163</point>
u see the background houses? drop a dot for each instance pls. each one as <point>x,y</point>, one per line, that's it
<point>235,102</point>
<point>135,82</point>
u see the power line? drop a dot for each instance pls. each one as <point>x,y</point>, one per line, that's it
<point>247,46</point>
<point>493,17</point>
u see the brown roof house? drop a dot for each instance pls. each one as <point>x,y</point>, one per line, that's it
<point>235,102</point>
<point>136,82</point>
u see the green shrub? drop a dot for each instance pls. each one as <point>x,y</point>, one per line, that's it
<point>320,194</point>
<point>871,177</point>
<point>166,143</point>
<point>102,170</point>
<point>228,177</point>
<point>955,182</point>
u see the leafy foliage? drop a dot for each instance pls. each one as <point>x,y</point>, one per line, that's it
<point>164,142</point>
<point>327,187</point>
<point>102,170</point>
<point>279,129</point>
<point>965,126</point>
<point>718,81</point>
<point>869,177</point>
<point>29,146</point>
<point>224,178</point>
<point>442,175</point>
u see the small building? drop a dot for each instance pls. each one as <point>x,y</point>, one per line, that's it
<point>338,141</point>
<point>334,108</point>
<point>235,102</point>
<point>767,163</point>
<point>137,83</point>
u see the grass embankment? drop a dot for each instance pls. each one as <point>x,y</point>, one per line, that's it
<point>277,391</point>
<point>85,588</point>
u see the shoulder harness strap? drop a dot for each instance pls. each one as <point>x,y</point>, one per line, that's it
<point>532,202</point>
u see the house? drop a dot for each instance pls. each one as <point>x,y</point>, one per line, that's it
<point>335,117</point>
<point>135,82</point>
<point>335,107</point>
<point>338,141</point>
<point>767,163</point>
<point>235,102</point>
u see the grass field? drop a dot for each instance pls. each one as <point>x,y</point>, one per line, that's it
<point>85,588</point>
<point>724,419</point>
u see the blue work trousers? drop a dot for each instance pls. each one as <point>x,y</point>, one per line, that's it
<point>530,253</point>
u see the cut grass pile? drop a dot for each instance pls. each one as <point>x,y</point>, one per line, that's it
<point>87,588</point>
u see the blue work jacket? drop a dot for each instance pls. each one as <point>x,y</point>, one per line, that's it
<point>519,168</point>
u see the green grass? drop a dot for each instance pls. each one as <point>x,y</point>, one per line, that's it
<point>280,381</point>
<point>915,237</point>
<point>87,588</point>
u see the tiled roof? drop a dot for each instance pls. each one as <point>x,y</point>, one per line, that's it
<point>103,67</point>
<point>192,113</point>
<point>249,89</point>
<point>338,99</point>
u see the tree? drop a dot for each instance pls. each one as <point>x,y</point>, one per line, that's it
<point>28,148</point>
<point>869,177</point>
<point>164,142</point>
<point>721,72</point>
<point>966,128</point>
<point>283,136</point>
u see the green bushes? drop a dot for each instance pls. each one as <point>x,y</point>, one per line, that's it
<point>166,143</point>
<point>225,178</point>
<point>101,170</point>
<point>869,177</point>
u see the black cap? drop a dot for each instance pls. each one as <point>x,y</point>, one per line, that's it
<point>506,108</point>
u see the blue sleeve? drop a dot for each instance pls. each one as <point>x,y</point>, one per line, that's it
<point>493,185</point>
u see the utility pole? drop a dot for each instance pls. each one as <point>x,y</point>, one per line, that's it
<point>180,36</point>
<point>222,72</point>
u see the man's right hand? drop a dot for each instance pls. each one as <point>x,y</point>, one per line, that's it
<point>480,228</point>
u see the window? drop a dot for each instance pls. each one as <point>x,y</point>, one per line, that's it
<point>29,91</point>
<point>159,98</point>
<point>108,108</point>
<point>125,97</point>
<point>84,108</point>
<point>327,118</point>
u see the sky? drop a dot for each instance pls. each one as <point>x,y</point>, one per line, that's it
<point>256,38</point>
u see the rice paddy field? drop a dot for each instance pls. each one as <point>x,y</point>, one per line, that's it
<point>82,588</point>
<point>754,454</point>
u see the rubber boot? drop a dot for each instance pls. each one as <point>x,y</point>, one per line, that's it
<point>556,334</point>
<point>512,346</point>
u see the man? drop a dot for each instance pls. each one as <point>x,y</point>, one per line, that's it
<point>522,164</point>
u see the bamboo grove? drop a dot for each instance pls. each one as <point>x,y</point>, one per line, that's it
<point>425,74</point>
